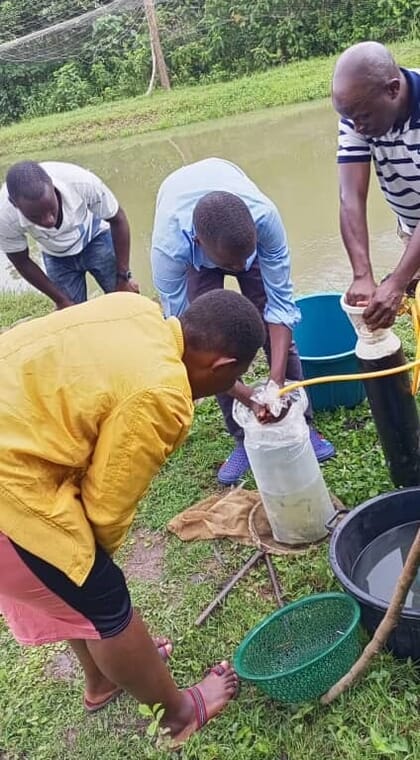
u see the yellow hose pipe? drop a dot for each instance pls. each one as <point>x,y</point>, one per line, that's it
<point>408,306</point>
<point>342,378</point>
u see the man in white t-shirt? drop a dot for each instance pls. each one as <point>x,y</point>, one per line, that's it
<point>76,221</point>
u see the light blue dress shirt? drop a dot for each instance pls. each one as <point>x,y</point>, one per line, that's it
<point>174,249</point>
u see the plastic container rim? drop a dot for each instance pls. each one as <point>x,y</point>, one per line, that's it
<point>312,599</point>
<point>350,587</point>
<point>328,358</point>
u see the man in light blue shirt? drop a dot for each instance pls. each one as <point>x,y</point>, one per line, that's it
<point>211,220</point>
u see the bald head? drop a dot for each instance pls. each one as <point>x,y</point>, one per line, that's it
<point>369,64</point>
<point>369,88</point>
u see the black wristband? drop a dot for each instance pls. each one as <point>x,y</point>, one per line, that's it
<point>124,275</point>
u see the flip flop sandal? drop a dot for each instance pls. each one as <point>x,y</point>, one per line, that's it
<point>93,707</point>
<point>200,710</point>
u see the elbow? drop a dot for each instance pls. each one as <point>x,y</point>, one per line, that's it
<point>343,210</point>
<point>21,261</point>
<point>347,199</point>
<point>120,219</point>
<point>350,210</point>
<point>351,202</point>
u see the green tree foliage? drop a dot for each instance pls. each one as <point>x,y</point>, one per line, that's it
<point>203,40</point>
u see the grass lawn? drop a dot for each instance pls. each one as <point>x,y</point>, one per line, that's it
<point>41,714</point>
<point>292,83</point>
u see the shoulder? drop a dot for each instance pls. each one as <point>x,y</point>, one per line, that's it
<point>8,212</point>
<point>414,74</point>
<point>352,146</point>
<point>265,214</point>
<point>172,227</point>
<point>346,127</point>
<point>71,174</point>
<point>64,170</point>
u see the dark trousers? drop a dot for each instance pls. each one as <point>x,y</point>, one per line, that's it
<point>252,287</point>
<point>69,272</point>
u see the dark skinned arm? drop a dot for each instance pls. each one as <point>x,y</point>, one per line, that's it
<point>354,186</point>
<point>33,274</point>
<point>280,339</point>
<point>120,232</point>
<point>383,307</point>
<point>383,301</point>
<point>274,261</point>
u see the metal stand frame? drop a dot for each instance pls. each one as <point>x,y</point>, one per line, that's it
<point>256,557</point>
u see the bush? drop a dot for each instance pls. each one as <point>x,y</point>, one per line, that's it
<point>203,41</point>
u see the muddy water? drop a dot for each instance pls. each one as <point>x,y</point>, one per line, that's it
<point>289,152</point>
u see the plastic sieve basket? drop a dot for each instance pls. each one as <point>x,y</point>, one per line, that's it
<point>300,651</point>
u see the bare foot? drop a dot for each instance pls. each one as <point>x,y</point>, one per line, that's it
<point>204,701</point>
<point>164,646</point>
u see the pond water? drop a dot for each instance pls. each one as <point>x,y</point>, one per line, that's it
<point>289,152</point>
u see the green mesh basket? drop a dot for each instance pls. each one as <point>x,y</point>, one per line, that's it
<point>301,650</point>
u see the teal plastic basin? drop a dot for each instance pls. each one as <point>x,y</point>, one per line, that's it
<point>326,343</point>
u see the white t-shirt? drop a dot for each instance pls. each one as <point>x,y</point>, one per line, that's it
<point>86,203</point>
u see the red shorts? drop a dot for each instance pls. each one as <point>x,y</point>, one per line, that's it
<point>42,605</point>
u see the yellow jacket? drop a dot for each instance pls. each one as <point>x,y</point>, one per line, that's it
<point>93,399</point>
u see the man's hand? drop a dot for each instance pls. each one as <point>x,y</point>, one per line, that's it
<point>262,412</point>
<point>63,303</point>
<point>361,290</point>
<point>33,274</point>
<point>384,304</point>
<point>127,286</point>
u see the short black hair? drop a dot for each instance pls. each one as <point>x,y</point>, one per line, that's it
<point>27,179</point>
<point>223,220</point>
<point>225,322</point>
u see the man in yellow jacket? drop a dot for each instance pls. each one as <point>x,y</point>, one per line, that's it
<point>94,399</point>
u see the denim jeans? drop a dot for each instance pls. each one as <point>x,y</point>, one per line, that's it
<point>69,272</point>
<point>252,287</point>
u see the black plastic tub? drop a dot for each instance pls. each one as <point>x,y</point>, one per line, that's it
<point>361,526</point>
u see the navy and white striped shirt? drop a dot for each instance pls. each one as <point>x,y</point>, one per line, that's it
<point>396,156</point>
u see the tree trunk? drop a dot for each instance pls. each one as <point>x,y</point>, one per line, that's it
<point>387,624</point>
<point>153,72</point>
<point>149,8</point>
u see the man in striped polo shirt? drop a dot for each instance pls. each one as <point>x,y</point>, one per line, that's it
<point>379,105</point>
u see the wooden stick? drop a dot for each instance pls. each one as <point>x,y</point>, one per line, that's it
<point>386,626</point>
<point>225,590</point>
<point>274,580</point>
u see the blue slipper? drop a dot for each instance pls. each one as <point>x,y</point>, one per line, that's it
<point>323,449</point>
<point>235,467</point>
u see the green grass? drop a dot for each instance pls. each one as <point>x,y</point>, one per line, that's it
<point>42,718</point>
<point>293,83</point>
<point>17,306</point>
